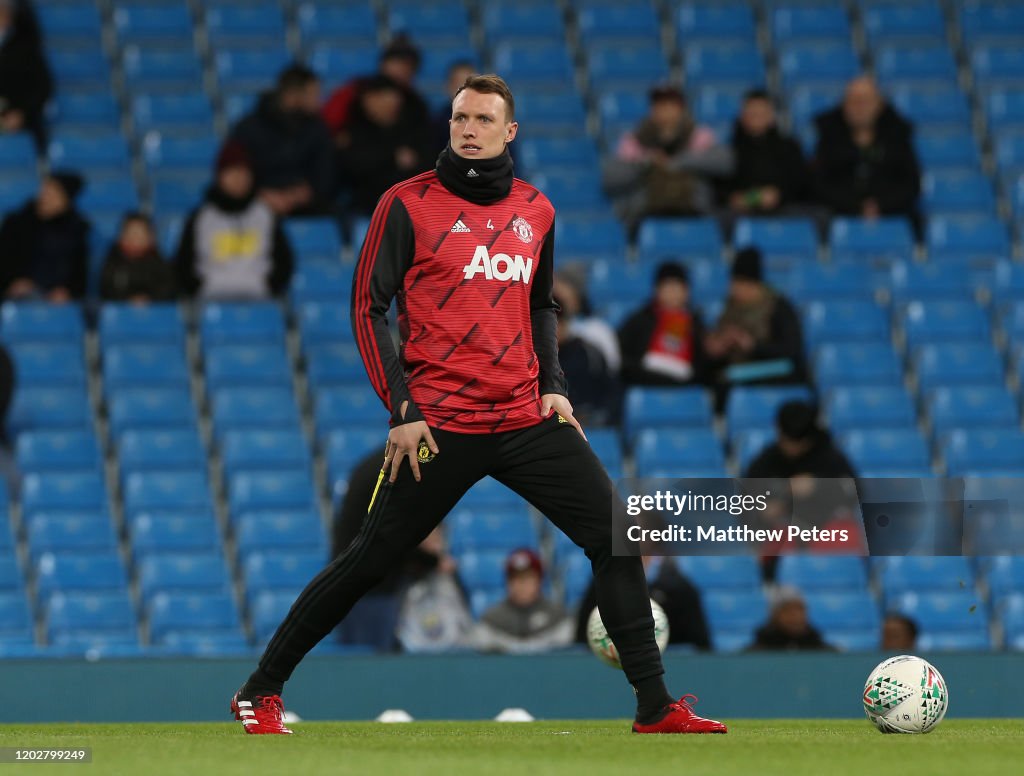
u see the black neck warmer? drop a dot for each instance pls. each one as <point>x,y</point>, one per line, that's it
<point>480,181</point>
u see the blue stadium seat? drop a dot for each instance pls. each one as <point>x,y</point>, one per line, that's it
<point>900,449</point>
<point>689,236</point>
<point>45,364</point>
<point>89,611</point>
<point>816,22</point>
<point>86,532</point>
<point>610,280</point>
<point>703,21</point>
<point>246,69</point>
<point>38,322</point>
<point>172,112</point>
<point>997,64</point>
<point>870,407</point>
<point>843,610</point>
<point>324,324</point>
<point>747,444</point>
<point>334,65</point>
<point>234,408</point>
<point>353,23</point>
<point>440,21</point>
<point>977,450</point>
<point>160,450</point>
<point>36,407</point>
<point>1011,616</point>
<point>44,491</point>
<point>123,323</point>
<point>823,573</point>
<point>86,111</point>
<point>573,188</point>
<point>917,63</point>
<point>856,363</point>
<point>164,573</point>
<point>334,363</point>
<point>661,407</point>
<point>93,153</point>
<point>555,114</point>
<point>958,194</point>
<point>340,407</point>
<point>53,450</point>
<point>146,23</point>
<point>926,573</point>
<point>1004,108</point>
<point>15,617</point>
<point>817,62</point>
<point>723,64</point>
<point>285,489</point>
<point>151,69</point>
<point>987,22</point>
<point>1009,149</point>
<point>939,612</point>
<point>947,148</point>
<point>344,449</point>
<point>953,407</point>
<point>614,65</point>
<point>622,108</point>
<point>68,25</point>
<point>778,237</point>
<point>17,152</point>
<point>609,22</point>
<point>191,612</point>
<point>859,239</point>
<point>226,323</point>
<point>281,569</point>
<point>169,408</point>
<point>1008,283</point>
<point>721,573</point>
<point>214,642</point>
<point>173,490</point>
<point>678,451</point>
<point>814,280</point>
<point>912,23</point>
<point>172,193</point>
<point>11,577</point>
<point>162,152</point>
<point>1005,576</point>
<point>320,282</point>
<point>750,406</point>
<point>135,366</point>
<point>68,571</point>
<point>735,611</point>
<point>484,570</point>
<point>940,321</point>
<point>251,22</point>
<point>268,609</point>
<point>264,449</point>
<point>292,530</point>
<point>17,188</point>
<point>931,282</point>
<point>499,528</point>
<point>173,532</point>
<point>245,365</point>
<point>967,237</point>
<point>314,238</point>
<point>86,67</point>
<point>957,363</point>
<point>580,236</point>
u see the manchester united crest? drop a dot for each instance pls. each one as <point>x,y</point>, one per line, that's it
<point>522,229</point>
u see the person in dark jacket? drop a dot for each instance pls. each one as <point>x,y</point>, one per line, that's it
<point>378,149</point>
<point>758,337</point>
<point>25,81</point>
<point>662,343</point>
<point>134,270</point>
<point>788,627</point>
<point>770,172</point>
<point>801,448</point>
<point>676,594</point>
<point>290,145</point>
<point>233,245</point>
<point>865,163</point>
<point>44,245</point>
<point>594,391</point>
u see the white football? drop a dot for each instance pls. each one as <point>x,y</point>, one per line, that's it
<point>905,694</point>
<point>601,644</point>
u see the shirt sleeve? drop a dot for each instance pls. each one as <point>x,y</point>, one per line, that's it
<point>544,322</point>
<point>386,256</point>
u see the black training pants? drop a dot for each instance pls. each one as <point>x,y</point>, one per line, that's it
<point>552,467</point>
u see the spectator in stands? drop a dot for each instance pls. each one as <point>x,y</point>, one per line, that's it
<point>525,621</point>
<point>666,165</point>
<point>290,146</point>
<point>801,448</point>
<point>44,245</point>
<point>233,245</point>
<point>676,594</point>
<point>663,341</point>
<point>134,270</point>
<point>458,72</point>
<point>788,627</point>
<point>757,337</point>
<point>400,62</point>
<point>25,81</point>
<point>899,633</point>
<point>570,288</point>
<point>594,389</point>
<point>434,614</point>
<point>865,163</point>
<point>378,149</point>
<point>770,172</point>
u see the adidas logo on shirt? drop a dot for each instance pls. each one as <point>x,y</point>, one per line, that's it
<point>472,173</point>
<point>460,227</point>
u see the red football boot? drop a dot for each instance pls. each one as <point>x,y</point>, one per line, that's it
<point>679,718</point>
<point>260,714</point>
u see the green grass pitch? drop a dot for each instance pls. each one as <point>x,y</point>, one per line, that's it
<point>567,748</point>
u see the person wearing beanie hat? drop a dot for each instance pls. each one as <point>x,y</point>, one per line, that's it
<point>44,245</point>
<point>233,245</point>
<point>526,621</point>
<point>663,341</point>
<point>758,337</point>
<point>668,164</point>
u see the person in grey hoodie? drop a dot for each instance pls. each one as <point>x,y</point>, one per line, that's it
<point>233,246</point>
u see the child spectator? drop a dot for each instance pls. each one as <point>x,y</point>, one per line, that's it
<point>134,270</point>
<point>44,245</point>
<point>233,246</point>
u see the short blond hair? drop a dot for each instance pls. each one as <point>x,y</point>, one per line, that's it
<point>491,84</point>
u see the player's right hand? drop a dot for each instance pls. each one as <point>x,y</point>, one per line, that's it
<point>404,442</point>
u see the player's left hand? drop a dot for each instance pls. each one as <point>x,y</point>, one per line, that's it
<point>561,405</point>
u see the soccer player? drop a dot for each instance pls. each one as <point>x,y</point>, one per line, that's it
<point>476,391</point>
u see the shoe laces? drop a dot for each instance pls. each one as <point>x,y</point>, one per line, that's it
<point>273,703</point>
<point>685,703</point>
